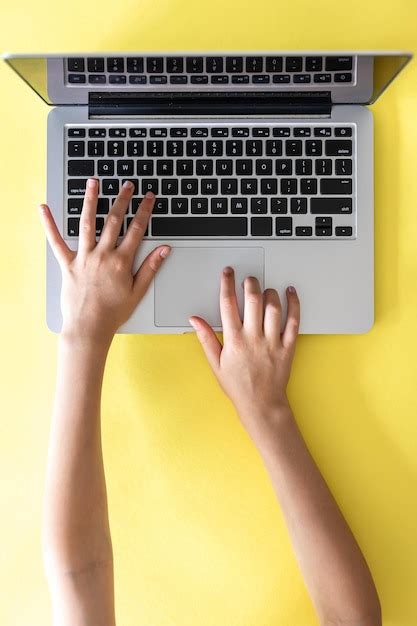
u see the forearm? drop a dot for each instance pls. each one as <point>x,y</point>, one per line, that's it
<point>334,569</point>
<point>76,531</point>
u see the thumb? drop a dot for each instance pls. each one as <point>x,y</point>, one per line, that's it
<point>146,273</point>
<point>208,339</point>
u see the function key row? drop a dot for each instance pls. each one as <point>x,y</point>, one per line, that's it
<point>297,131</point>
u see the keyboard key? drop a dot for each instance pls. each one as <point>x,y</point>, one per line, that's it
<point>224,167</point>
<point>155,65</point>
<point>302,78</point>
<point>239,80</point>
<point>273,147</point>
<point>76,186</point>
<point>214,148</point>
<point>303,231</point>
<point>199,80</point>
<point>326,131</point>
<point>169,187</point>
<point>179,205</point>
<point>150,184</point>
<point>117,132</point>
<point>204,167</point>
<point>274,64</point>
<point>263,166</point>
<point>244,167</point>
<point>281,132</point>
<point>336,186</point>
<point>144,167</point>
<point>137,80</point>
<point>279,205</point>
<point>158,132</point>
<point>294,147</point>
<point>99,225</point>
<point>298,205</point>
<point>343,167</point>
<point>343,78</point>
<point>343,231</point>
<point>194,148</point>
<point>214,65</point>
<point>219,132</point>
<point>76,148</point>
<point>283,226</point>
<point>110,186</point>
<point>234,64</point>
<point>178,80</point>
<point>249,186</point>
<point>218,205</point>
<point>239,206</point>
<point>199,205</point>
<point>293,64</point>
<point>330,206</point>
<point>260,132</point>
<point>288,186</point>
<point>314,64</point>
<point>283,166</point>
<point>76,132</point>
<point>325,222</point>
<point>76,79</point>
<point>158,80</point>
<point>125,168</point>
<point>260,78</point>
<point>240,132</point>
<point>185,167</point>
<point>338,147</point>
<point>160,206</point>
<point>343,132</point>
<point>303,167</point>
<point>135,65</point>
<point>178,132</point>
<point>116,64</point>
<point>189,186</point>
<point>165,167</point>
<point>258,205</point>
<point>154,148</point>
<point>76,64</point>
<point>302,132</point>
<point>219,80</point>
<point>137,132</point>
<point>199,226</point>
<point>323,232</point>
<point>308,186</point>
<point>74,206</point>
<point>80,168</point>
<point>117,80</point>
<point>102,206</point>
<point>135,148</point>
<point>199,132</point>
<point>97,132</point>
<point>254,64</point>
<point>73,226</point>
<point>323,167</point>
<point>234,147</point>
<point>322,78</point>
<point>95,65</point>
<point>314,148</point>
<point>253,147</point>
<point>228,186</point>
<point>115,148</point>
<point>105,168</point>
<point>261,226</point>
<point>281,78</point>
<point>175,65</point>
<point>194,65</point>
<point>269,186</point>
<point>209,186</point>
<point>334,64</point>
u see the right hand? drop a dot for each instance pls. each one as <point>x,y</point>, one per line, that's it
<point>253,365</point>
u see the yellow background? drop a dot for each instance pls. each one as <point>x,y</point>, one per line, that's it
<point>198,536</point>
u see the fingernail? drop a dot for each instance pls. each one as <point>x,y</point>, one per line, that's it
<point>149,195</point>
<point>128,184</point>
<point>42,208</point>
<point>164,252</point>
<point>91,182</point>
<point>228,270</point>
<point>291,289</point>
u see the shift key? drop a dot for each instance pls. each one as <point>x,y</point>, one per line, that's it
<point>330,206</point>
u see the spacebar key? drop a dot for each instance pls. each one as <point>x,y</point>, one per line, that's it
<point>199,226</point>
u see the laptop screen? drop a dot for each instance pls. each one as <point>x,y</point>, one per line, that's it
<point>335,77</point>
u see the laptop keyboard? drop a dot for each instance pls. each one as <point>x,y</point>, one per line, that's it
<point>223,181</point>
<point>192,71</point>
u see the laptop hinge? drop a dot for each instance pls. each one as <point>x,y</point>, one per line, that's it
<point>209,104</point>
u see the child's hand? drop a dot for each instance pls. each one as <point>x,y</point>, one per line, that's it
<point>99,290</point>
<point>253,366</point>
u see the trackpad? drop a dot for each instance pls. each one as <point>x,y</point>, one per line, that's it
<point>189,282</point>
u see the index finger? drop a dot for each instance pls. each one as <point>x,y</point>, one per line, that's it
<point>138,225</point>
<point>229,311</point>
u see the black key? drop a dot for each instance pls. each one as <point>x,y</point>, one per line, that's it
<point>97,79</point>
<point>261,132</point>
<point>288,186</point>
<point>343,231</point>
<point>263,166</point>
<point>323,167</point>
<point>253,147</point>
<point>281,132</point>
<point>308,186</point>
<point>298,205</point>
<point>214,65</point>
<point>218,205</point>
<point>158,80</point>
<point>204,167</point>
<point>249,186</point>
<point>73,226</point>
<point>160,206</point>
<point>125,168</point>
<point>343,167</point>
<point>95,64</point>
<point>224,167</point>
<point>239,206</point>
<point>80,168</point>
<point>254,64</point>
<point>293,147</point>
<point>209,186</point>
<point>99,225</point>
<point>199,80</point>
<point>261,226</point>
<point>194,65</point>
<point>75,64</point>
<point>110,186</point>
<point>179,205</point>
<point>135,148</point>
<point>273,147</point>
<point>165,167</point>
<point>158,132</point>
<point>102,206</point>
<point>326,131</point>
<point>260,78</point>
<point>105,168</point>
<point>244,167</point>
<point>323,232</point>
<point>302,78</point>
<point>336,186</point>
<point>302,132</point>
<point>76,148</point>
<point>234,64</point>
<point>76,132</point>
<point>343,132</point>
<point>314,148</point>
<point>175,65</point>
<point>154,148</point>
<point>283,166</point>
<point>175,148</point>
<point>334,64</point>
<point>199,226</point>
<point>283,226</point>
<point>178,80</point>
<point>338,147</point>
<point>303,231</point>
<point>322,78</point>
<point>135,65</point>
<point>115,64</point>
<point>74,206</point>
<point>137,132</point>
<point>234,147</point>
<point>239,80</point>
<point>150,184</point>
<point>77,79</point>
<point>137,80</point>
<point>199,205</point>
<point>343,78</point>
<point>314,64</point>
<point>258,205</point>
<point>269,186</point>
<point>303,167</point>
<point>117,132</point>
<point>240,132</point>
<point>219,132</point>
<point>293,64</point>
<point>169,187</point>
<point>199,132</point>
<point>220,79</point>
<point>281,78</point>
<point>115,148</point>
<point>185,167</point>
<point>155,65</point>
<point>134,204</point>
<point>273,64</point>
<point>194,148</point>
<point>330,206</point>
<point>97,132</point>
<point>117,80</point>
<point>214,148</point>
<point>178,132</point>
<point>76,186</point>
<point>144,167</point>
<point>279,205</point>
<point>189,186</point>
<point>228,186</point>
<point>325,222</point>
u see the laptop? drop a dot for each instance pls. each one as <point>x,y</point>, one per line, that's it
<point>259,160</point>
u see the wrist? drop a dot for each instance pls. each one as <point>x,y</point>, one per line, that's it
<point>264,423</point>
<point>73,337</point>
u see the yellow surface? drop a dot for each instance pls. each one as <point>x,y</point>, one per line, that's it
<point>198,537</point>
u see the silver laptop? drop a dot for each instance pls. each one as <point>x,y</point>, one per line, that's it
<point>259,160</point>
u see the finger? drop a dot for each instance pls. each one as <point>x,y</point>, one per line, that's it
<point>292,324</point>
<point>146,273</point>
<point>87,235</point>
<point>208,339</point>
<point>113,223</point>
<point>138,225</point>
<point>272,315</point>
<point>62,253</point>
<point>254,310</point>
<point>229,311</point>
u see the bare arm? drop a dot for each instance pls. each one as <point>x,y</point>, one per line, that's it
<point>99,293</point>
<point>253,368</point>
